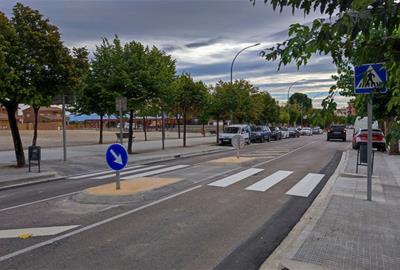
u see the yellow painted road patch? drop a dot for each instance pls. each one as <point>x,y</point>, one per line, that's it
<point>232,160</point>
<point>130,187</point>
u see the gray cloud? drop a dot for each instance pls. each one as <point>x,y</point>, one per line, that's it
<point>203,35</point>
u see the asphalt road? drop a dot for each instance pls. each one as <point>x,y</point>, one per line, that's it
<point>187,225</point>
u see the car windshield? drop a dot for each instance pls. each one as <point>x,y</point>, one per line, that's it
<point>231,130</point>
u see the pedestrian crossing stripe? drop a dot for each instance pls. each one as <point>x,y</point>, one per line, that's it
<point>303,188</point>
<point>306,185</point>
<point>133,171</point>
<point>230,180</point>
<point>269,181</point>
<point>159,171</point>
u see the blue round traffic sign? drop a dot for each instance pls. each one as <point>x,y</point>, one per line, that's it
<point>116,157</point>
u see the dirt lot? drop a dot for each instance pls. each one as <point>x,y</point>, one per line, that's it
<point>53,138</point>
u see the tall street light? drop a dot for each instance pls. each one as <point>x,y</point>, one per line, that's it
<point>288,96</point>
<point>254,45</point>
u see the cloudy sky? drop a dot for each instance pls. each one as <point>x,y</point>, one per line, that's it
<point>203,35</point>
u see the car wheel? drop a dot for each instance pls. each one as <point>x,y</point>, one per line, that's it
<point>327,139</point>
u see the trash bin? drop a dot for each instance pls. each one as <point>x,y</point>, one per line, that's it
<point>363,153</point>
<point>34,153</point>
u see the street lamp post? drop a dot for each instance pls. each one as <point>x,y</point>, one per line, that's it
<point>233,61</point>
<point>288,96</point>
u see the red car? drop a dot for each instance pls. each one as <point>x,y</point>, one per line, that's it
<point>378,139</point>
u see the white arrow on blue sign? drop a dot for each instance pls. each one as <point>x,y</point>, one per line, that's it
<point>116,157</point>
<point>369,77</point>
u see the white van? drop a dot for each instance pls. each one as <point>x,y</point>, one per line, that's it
<point>226,136</point>
<point>362,123</point>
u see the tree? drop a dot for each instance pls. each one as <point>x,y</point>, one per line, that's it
<point>191,97</point>
<point>98,95</point>
<point>34,65</point>
<point>302,100</point>
<point>270,110</point>
<point>362,32</point>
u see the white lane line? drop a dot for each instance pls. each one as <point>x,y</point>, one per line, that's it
<point>94,225</point>
<point>155,172</point>
<point>269,181</point>
<point>126,172</point>
<point>100,173</point>
<point>306,185</point>
<point>42,231</point>
<point>227,181</point>
<point>39,201</point>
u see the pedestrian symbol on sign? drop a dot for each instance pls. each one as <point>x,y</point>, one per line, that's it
<point>370,77</point>
<point>372,80</point>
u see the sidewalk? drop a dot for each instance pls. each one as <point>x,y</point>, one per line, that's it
<point>342,230</point>
<point>83,159</point>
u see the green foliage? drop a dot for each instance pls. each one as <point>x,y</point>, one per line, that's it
<point>301,100</point>
<point>191,97</point>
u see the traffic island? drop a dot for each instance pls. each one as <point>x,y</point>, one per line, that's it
<point>232,160</point>
<point>131,191</point>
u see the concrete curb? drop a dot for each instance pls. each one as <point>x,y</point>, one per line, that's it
<point>281,257</point>
<point>30,183</point>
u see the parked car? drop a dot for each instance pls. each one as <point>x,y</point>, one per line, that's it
<point>261,134</point>
<point>276,133</point>
<point>316,130</point>
<point>293,133</point>
<point>378,139</point>
<point>306,131</point>
<point>226,136</point>
<point>285,133</point>
<point>336,132</point>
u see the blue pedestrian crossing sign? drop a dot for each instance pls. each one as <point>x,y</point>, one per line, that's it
<point>369,77</point>
<point>116,157</point>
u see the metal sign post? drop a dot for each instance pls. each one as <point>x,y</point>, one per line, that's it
<point>367,79</point>
<point>121,105</point>
<point>117,158</point>
<point>238,143</point>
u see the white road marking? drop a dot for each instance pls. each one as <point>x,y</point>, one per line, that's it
<point>177,167</point>
<point>227,181</point>
<point>39,201</point>
<point>42,231</point>
<point>94,225</point>
<point>269,181</point>
<point>284,155</point>
<point>101,173</point>
<point>306,185</point>
<point>126,172</point>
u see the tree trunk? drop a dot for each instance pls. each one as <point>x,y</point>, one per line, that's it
<point>179,126</point>
<point>130,135</point>
<point>184,129</point>
<point>204,130</point>
<point>101,128</point>
<point>144,128</point>
<point>163,130</point>
<point>12,120</point>
<point>217,130</point>
<point>35,124</point>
